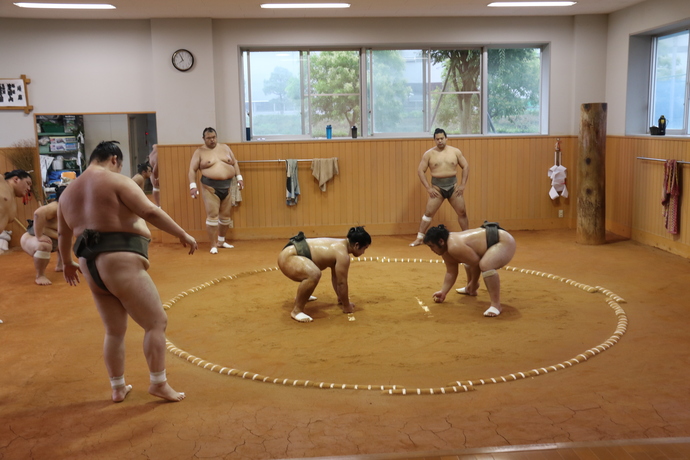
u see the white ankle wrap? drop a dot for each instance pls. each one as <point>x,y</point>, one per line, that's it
<point>117,382</point>
<point>42,255</point>
<point>425,218</point>
<point>420,235</point>
<point>158,377</point>
<point>221,239</point>
<point>488,273</point>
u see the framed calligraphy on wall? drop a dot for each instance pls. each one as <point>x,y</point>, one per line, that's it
<point>14,94</point>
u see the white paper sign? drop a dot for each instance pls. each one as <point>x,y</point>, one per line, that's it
<point>13,93</point>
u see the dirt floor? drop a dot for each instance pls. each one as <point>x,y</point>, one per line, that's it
<point>54,390</point>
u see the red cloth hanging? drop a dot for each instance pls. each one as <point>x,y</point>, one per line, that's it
<point>671,197</point>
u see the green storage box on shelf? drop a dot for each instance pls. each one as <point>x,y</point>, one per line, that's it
<point>50,127</point>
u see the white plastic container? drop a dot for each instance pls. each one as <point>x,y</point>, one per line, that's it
<point>58,163</point>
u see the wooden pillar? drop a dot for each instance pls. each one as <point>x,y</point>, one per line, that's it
<point>591,175</point>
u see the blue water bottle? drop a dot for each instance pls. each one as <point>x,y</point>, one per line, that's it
<point>329,132</point>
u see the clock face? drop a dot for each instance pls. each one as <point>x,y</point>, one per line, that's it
<point>182,60</point>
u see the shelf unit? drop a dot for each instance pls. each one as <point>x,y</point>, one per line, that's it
<point>59,135</point>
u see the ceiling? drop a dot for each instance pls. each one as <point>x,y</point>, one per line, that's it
<point>217,9</point>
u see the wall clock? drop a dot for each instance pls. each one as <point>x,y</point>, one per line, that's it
<point>182,60</point>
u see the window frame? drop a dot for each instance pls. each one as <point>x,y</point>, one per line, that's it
<point>652,119</point>
<point>366,92</point>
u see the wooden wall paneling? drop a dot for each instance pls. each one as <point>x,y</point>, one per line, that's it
<point>516,185</point>
<point>536,175</point>
<point>328,199</point>
<point>337,209</point>
<point>571,181</point>
<point>383,197</point>
<point>315,202</point>
<point>378,185</point>
<point>276,186</point>
<point>547,208</point>
<point>306,214</point>
<point>392,173</point>
<point>473,189</point>
<point>404,185</point>
<point>352,187</point>
<point>647,221</point>
<point>366,186</point>
<point>619,180</point>
<point>415,193</point>
<point>513,186</point>
<point>377,177</point>
<point>493,154</point>
<point>407,184</point>
<point>500,197</point>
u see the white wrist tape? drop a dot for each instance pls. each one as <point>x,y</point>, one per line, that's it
<point>192,185</point>
<point>239,177</point>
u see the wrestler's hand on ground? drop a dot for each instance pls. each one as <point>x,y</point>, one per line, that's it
<point>71,273</point>
<point>439,297</point>
<point>189,240</point>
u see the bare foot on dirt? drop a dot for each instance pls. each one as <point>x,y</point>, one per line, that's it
<point>120,393</point>
<point>43,281</point>
<point>165,391</point>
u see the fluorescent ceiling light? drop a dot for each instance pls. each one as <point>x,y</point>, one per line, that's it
<point>514,4</point>
<point>68,6</point>
<point>305,5</point>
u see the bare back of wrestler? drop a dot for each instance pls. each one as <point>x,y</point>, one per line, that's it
<point>103,201</point>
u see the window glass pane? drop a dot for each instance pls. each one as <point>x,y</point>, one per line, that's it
<point>670,71</point>
<point>333,92</point>
<point>513,83</point>
<point>397,84</point>
<point>275,93</point>
<point>454,87</point>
